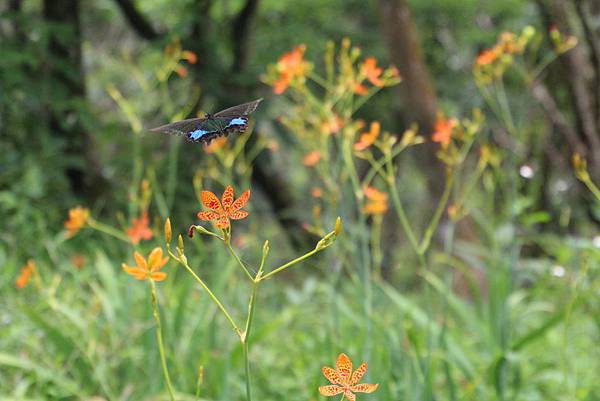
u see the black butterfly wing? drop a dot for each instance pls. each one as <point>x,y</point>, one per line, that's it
<point>233,119</point>
<point>204,129</point>
<point>241,110</point>
<point>182,127</point>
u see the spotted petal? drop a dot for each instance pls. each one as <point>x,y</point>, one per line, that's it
<point>211,201</point>
<point>350,395</point>
<point>227,198</point>
<point>239,214</point>
<point>358,373</point>
<point>241,201</point>
<point>344,367</point>
<point>223,222</point>
<point>364,388</point>
<point>207,215</point>
<point>330,390</point>
<point>331,375</point>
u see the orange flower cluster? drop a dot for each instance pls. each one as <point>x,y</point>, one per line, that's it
<point>225,209</point>
<point>508,43</point>
<point>443,128</point>
<point>148,268</point>
<point>289,67</point>
<point>139,229</point>
<point>377,203</point>
<point>78,217</point>
<point>343,380</point>
<point>368,138</point>
<point>25,274</point>
<point>373,74</point>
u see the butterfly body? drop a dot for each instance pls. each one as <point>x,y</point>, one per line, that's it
<point>223,123</point>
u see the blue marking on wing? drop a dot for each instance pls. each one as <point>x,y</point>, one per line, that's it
<point>236,121</point>
<point>198,133</point>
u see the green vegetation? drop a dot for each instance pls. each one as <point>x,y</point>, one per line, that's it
<point>449,238</point>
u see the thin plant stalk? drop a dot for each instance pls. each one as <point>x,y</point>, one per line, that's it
<point>159,339</point>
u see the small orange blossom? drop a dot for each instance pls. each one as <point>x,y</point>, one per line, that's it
<point>377,201</point>
<point>311,158</point>
<point>25,274</point>
<point>370,69</point>
<point>368,138</point>
<point>291,65</point>
<point>139,229</point>
<point>225,209</point>
<point>443,130</point>
<point>344,380</point>
<point>148,268</point>
<point>78,217</point>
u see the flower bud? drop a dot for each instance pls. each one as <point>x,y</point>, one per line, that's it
<point>168,230</point>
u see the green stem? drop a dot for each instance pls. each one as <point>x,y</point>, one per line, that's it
<point>592,187</point>
<point>291,263</point>
<point>237,258</point>
<point>438,214</point>
<point>184,263</point>
<point>108,230</point>
<point>159,339</point>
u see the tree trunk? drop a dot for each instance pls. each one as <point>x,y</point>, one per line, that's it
<point>66,94</point>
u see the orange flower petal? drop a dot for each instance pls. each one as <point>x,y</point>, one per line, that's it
<point>331,375</point>
<point>141,262</point>
<point>211,201</point>
<point>238,215</point>
<point>364,388</point>
<point>343,366</point>
<point>158,276</point>
<point>358,373</point>
<point>207,216</point>
<point>154,257</point>
<point>241,201</point>
<point>227,198</point>
<point>330,390</point>
<point>375,195</point>
<point>136,272</point>
<point>349,395</point>
<point>222,222</point>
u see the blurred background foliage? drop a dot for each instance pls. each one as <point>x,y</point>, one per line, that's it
<point>508,307</point>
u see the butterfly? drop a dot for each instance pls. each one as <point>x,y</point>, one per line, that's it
<point>223,123</point>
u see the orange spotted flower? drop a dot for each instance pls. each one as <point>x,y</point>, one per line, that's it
<point>368,138</point>
<point>148,268</point>
<point>291,65</point>
<point>25,274</point>
<point>78,217</point>
<point>443,130</point>
<point>344,380</point>
<point>370,69</point>
<point>225,209</point>
<point>377,201</point>
<point>139,229</point>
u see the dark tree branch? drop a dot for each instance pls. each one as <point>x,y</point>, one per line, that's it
<point>577,75</point>
<point>240,35</point>
<point>594,51</point>
<point>556,117</point>
<point>137,21</point>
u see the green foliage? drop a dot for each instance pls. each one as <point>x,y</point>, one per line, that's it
<point>507,311</point>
